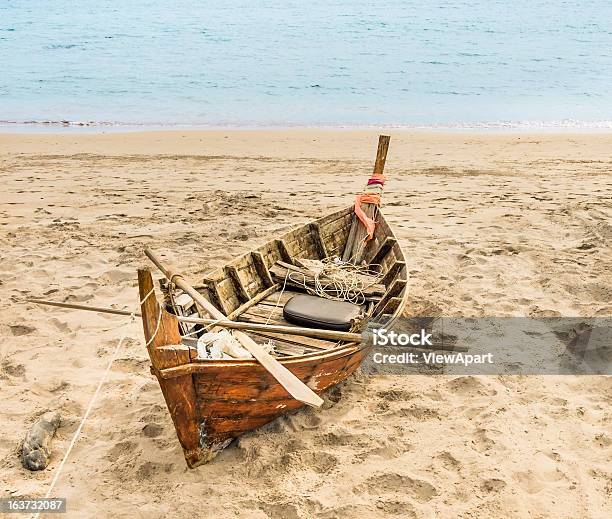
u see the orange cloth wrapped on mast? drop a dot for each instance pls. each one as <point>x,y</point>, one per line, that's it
<point>371,195</point>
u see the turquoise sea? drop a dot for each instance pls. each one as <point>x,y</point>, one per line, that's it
<point>480,63</point>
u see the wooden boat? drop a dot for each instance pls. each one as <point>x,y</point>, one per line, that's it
<point>214,401</point>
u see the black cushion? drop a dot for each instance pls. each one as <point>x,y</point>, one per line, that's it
<point>318,312</point>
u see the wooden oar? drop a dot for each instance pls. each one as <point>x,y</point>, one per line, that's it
<point>294,386</point>
<point>316,333</point>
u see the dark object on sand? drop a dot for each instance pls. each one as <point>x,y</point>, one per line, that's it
<point>36,449</point>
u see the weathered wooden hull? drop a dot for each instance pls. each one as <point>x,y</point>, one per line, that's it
<point>214,401</point>
<point>244,397</point>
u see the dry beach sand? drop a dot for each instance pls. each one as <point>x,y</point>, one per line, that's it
<point>492,224</point>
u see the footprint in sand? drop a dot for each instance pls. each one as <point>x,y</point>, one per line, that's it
<point>10,369</point>
<point>482,441</point>
<point>154,413</point>
<point>151,469</point>
<point>602,440</point>
<point>387,449</point>
<point>343,438</point>
<point>449,462</point>
<point>56,385</point>
<point>529,482</point>
<point>319,462</point>
<point>417,412</point>
<point>62,326</point>
<point>493,485</point>
<point>420,490</point>
<point>131,365</point>
<point>120,450</point>
<point>18,330</point>
<point>533,481</point>
<point>116,276</point>
<point>395,394</point>
<point>79,298</point>
<point>469,386</point>
<point>284,510</point>
<point>396,508</point>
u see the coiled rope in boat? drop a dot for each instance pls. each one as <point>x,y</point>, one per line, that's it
<point>339,280</point>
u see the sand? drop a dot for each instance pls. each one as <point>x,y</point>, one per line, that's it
<point>492,224</point>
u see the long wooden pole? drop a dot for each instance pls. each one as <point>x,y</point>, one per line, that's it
<point>234,325</point>
<point>252,327</point>
<point>294,386</point>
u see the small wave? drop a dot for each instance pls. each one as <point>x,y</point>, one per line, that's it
<point>65,123</point>
<point>61,46</point>
<point>530,125</point>
<point>564,124</point>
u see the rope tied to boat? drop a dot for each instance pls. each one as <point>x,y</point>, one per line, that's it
<point>371,195</point>
<point>93,399</point>
<point>159,317</point>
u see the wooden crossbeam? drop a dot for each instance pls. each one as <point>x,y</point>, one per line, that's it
<point>383,250</point>
<point>232,272</point>
<point>262,269</point>
<point>392,273</point>
<point>284,251</point>
<point>394,290</point>
<point>213,286</point>
<point>254,300</point>
<point>315,232</point>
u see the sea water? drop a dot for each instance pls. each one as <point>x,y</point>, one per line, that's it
<point>479,63</point>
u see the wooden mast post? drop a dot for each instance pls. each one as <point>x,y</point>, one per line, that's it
<point>355,245</point>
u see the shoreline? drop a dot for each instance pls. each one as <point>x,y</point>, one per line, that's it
<point>413,149</point>
<point>521,127</point>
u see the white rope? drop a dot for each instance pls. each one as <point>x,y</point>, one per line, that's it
<point>342,283</point>
<point>193,332</point>
<point>159,320</point>
<point>93,399</point>
<point>339,281</point>
<point>85,416</point>
<point>279,297</point>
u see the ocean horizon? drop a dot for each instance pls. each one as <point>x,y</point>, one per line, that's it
<point>453,65</point>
